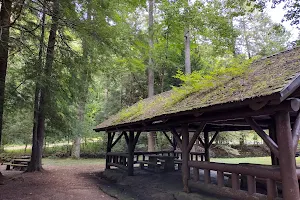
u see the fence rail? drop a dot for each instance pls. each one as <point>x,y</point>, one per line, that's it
<point>267,174</point>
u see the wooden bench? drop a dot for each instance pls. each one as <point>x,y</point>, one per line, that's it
<point>178,163</point>
<point>8,165</point>
<point>123,167</point>
<point>155,166</point>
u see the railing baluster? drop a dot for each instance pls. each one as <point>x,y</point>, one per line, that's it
<point>271,189</point>
<point>196,174</point>
<point>220,178</point>
<point>251,184</point>
<point>207,178</point>
<point>235,181</point>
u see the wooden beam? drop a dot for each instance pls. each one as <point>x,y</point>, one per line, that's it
<point>185,158</point>
<point>287,162</point>
<point>201,141</point>
<point>116,141</point>
<point>269,142</point>
<point>168,138</point>
<point>258,105</point>
<point>213,138</point>
<point>273,136</point>
<point>206,147</point>
<point>177,138</point>
<point>296,132</point>
<point>126,137</point>
<point>130,153</point>
<point>108,149</point>
<point>292,105</point>
<point>136,138</point>
<point>196,135</point>
<point>112,137</point>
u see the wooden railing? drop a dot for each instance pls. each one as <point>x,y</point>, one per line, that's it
<point>117,159</point>
<point>252,173</point>
<point>120,159</point>
<point>144,154</point>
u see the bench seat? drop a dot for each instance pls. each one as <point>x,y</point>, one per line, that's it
<point>118,166</point>
<point>8,165</point>
<point>155,166</point>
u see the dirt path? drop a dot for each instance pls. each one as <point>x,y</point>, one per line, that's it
<point>55,183</point>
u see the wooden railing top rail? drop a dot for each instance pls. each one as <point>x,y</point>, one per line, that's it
<point>197,153</point>
<point>117,154</point>
<point>153,152</point>
<point>252,170</point>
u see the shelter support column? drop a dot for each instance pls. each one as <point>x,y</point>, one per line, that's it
<point>273,136</point>
<point>206,146</point>
<point>108,149</point>
<point>185,158</point>
<point>290,187</point>
<point>130,153</point>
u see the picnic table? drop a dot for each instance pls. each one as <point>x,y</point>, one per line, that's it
<point>166,161</point>
<point>21,163</point>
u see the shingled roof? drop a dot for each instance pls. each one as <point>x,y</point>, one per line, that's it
<point>274,77</point>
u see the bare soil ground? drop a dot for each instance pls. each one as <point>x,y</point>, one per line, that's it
<point>56,182</point>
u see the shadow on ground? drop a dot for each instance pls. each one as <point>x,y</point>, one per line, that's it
<point>146,186</point>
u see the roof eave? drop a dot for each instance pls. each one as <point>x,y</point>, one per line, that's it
<point>293,85</point>
<point>274,97</point>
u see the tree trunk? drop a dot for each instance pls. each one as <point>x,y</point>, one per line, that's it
<point>5,13</point>
<point>76,147</point>
<point>83,96</point>
<point>34,156</point>
<point>187,51</point>
<point>246,37</point>
<point>151,135</point>
<point>43,100</point>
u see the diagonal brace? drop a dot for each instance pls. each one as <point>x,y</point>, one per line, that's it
<point>196,135</point>
<point>168,138</point>
<point>213,138</point>
<point>117,140</point>
<point>269,142</point>
<point>177,138</point>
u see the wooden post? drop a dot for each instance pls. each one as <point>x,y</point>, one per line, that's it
<point>206,146</point>
<point>251,184</point>
<point>290,187</point>
<point>220,178</point>
<point>108,149</point>
<point>271,189</point>
<point>130,153</point>
<point>196,174</point>
<point>185,158</point>
<point>272,134</point>
<point>235,181</point>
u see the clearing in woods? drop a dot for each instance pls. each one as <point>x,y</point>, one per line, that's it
<point>61,180</point>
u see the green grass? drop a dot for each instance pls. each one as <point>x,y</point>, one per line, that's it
<point>96,161</point>
<point>70,161</point>
<point>254,160</point>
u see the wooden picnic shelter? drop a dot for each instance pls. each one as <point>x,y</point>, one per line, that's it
<point>265,98</point>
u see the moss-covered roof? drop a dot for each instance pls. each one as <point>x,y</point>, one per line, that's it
<point>264,77</point>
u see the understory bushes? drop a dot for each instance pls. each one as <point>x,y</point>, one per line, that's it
<point>98,150</point>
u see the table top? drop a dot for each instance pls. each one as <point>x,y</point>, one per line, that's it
<point>21,160</point>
